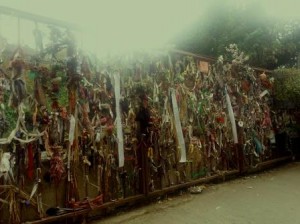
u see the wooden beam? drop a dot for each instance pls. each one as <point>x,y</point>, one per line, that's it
<point>87,210</point>
<point>226,175</point>
<point>269,163</point>
<point>201,57</point>
<point>211,59</point>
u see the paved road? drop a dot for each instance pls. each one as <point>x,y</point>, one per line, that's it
<point>270,197</point>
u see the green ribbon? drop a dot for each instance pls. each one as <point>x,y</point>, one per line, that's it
<point>32,75</point>
<point>201,173</point>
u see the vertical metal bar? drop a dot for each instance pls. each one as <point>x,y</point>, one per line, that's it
<point>0,24</point>
<point>19,32</point>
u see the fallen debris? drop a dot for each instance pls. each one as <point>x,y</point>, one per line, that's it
<point>196,189</point>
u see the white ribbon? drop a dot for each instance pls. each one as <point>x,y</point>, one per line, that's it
<point>118,121</point>
<point>181,143</point>
<point>231,117</point>
<point>71,140</point>
<point>71,130</point>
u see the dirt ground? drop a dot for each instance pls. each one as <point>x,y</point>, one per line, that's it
<point>269,197</point>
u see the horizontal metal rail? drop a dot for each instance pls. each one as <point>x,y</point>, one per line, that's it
<point>36,18</point>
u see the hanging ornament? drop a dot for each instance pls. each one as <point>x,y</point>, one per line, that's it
<point>263,76</point>
<point>57,168</point>
<point>6,167</point>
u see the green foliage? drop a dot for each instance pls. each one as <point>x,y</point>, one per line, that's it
<point>267,41</point>
<point>10,115</point>
<point>287,86</point>
<point>63,99</point>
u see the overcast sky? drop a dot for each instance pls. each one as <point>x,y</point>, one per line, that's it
<point>126,24</point>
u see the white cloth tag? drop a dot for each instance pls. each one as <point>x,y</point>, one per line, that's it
<point>231,118</point>
<point>72,129</point>
<point>118,121</point>
<point>181,143</point>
